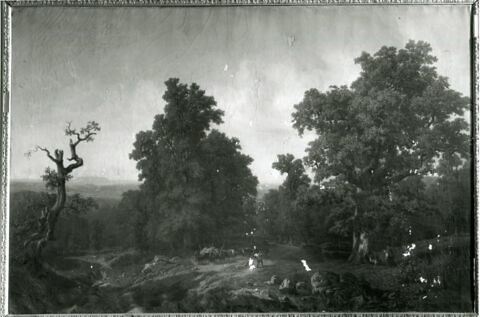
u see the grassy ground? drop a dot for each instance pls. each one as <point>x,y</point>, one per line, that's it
<point>116,282</point>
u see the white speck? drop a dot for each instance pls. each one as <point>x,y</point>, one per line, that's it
<point>291,40</point>
<point>424,297</point>
<point>218,171</point>
<point>250,123</point>
<point>225,68</point>
<point>307,268</point>
<point>251,232</point>
<point>423,280</point>
<point>91,266</point>
<point>430,247</point>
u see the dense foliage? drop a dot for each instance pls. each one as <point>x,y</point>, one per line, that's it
<point>194,178</point>
<point>394,124</point>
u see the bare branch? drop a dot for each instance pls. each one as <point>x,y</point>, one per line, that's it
<point>55,160</point>
<point>77,164</point>
<point>85,134</point>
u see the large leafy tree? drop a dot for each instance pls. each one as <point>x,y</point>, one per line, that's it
<point>194,178</point>
<point>397,120</point>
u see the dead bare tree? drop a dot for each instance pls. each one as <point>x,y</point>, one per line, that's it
<point>56,179</point>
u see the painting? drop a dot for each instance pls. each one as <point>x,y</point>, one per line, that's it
<point>189,157</point>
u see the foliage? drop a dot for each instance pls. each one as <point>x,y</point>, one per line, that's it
<point>24,209</point>
<point>194,180</point>
<point>97,238</point>
<point>52,179</point>
<point>134,206</point>
<point>394,122</point>
<point>85,133</point>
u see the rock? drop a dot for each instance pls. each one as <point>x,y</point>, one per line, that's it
<point>210,253</point>
<point>284,299</point>
<point>273,280</point>
<point>358,301</point>
<point>317,283</point>
<point>301,288</point>
<point>286,286</point>
<point>321,282</point>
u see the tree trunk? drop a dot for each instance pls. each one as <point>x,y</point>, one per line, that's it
<point>360,248</point>
<point>359,242</point>
<point>52,214</point>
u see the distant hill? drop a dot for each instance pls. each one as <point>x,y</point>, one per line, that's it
<point>86,186</point>
<point>99,187</point>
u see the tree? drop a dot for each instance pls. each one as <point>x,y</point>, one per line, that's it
<point>451,195</point>
<point>229,184</point>
<point>194,180</point>
<point>97,237</point>
<point>296,181</point>
<point>295,171</point>
<point>395,121</point>
<point>24,207</point>
<point>134,205</point>
<point>56,180</point>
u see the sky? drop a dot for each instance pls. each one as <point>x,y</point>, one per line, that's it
<point>110,65</point>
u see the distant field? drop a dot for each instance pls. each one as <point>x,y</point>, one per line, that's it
<point>86,189</point>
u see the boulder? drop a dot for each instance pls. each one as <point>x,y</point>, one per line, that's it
<point>210,253</point>
<point>358,301</point>
<point>323,282</point>
<point>301,288</point>
<point>285,286</point>
<point>273,280</point>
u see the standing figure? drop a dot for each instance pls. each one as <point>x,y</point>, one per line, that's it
<point>258,255</point>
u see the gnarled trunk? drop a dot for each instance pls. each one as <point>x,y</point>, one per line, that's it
<point>49,216</point>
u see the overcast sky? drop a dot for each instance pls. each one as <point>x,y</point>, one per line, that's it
<point>109,65</point>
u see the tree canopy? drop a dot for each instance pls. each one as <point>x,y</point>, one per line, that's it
<point>398,120</point>
<point>195,177</point>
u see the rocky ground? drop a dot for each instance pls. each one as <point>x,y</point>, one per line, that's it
<point>130,282</point>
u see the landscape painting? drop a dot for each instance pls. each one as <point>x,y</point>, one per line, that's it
<point>241,159</point>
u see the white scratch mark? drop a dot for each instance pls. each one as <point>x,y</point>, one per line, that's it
<point>225,68</point>
<point>307,268</point>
